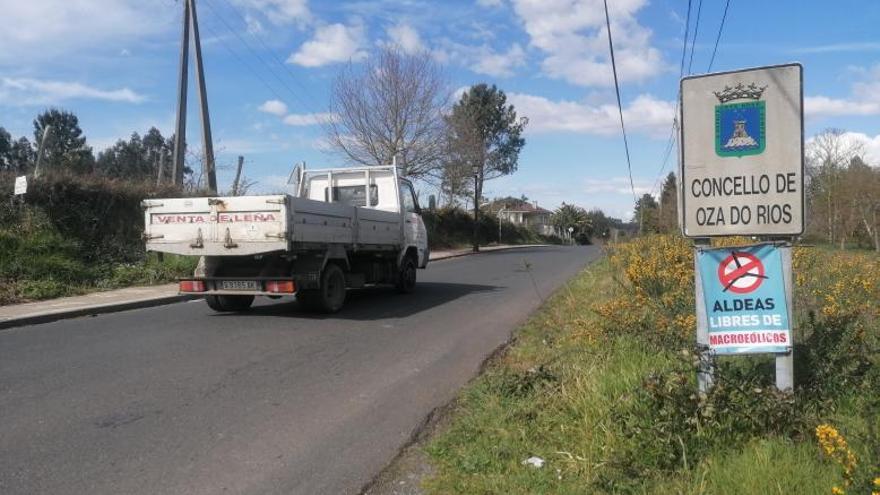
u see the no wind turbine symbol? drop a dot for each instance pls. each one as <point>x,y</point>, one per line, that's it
<point>741,273</point>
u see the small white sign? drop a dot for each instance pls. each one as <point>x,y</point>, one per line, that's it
<point>20,185</point>
<point>742,152</point>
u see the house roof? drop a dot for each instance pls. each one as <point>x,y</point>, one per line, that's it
<point>517,206</point>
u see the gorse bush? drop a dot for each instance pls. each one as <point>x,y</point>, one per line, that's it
<point>668,425</point>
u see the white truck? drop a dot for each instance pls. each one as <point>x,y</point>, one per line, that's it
<point>337,229</point>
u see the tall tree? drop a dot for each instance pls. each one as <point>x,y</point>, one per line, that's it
<point>485,138</point>
<point>828,154</point>
<point>392,106</point>
<point>21,156</point>
<point>668,212</point>
<point>15,155</point>
<point>574,217</point>
<point>66,148</point>
<point>138,158</point>
<point>5,149</point>
<point>648,210</point>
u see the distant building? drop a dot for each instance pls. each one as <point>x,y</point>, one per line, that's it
<point>523,213</point>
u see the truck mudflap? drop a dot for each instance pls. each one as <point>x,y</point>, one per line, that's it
<point>241,286</point>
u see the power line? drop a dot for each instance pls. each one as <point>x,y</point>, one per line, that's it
<point>717,39</point>
<point>255,53</point>
<point>696,31</point>
<point>242,61</point>
<point>271,51</point>
<point>620,107</point>
<point>687,27</point>
<point>667,154</point>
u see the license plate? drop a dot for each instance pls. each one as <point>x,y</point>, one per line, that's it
<point>240,285</point>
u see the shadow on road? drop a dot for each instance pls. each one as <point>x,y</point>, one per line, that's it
<point>376,303</point>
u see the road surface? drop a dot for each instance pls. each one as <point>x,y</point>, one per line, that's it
<point>177,399</point>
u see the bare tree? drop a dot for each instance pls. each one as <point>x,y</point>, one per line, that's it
<point>392,106</point>
<point>828,155</point>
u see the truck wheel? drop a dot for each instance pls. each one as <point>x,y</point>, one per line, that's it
<point>331,296</point>
<point>229,303</point>
<point>406,276</point>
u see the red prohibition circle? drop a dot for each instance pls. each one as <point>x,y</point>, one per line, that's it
<point>752,270</point>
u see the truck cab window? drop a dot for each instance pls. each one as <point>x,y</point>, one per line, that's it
<point>353,195</point>
<point>407,198</point>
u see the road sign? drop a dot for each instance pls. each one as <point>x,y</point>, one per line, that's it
<point>742,152</point>
<point>745,299</point>
<point>20,185</point>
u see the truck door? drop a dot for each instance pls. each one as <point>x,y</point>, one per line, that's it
<point>414,229</point>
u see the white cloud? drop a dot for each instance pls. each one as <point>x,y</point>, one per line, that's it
<point>304,119</point>
<point>279,108</point>
<point>863,100</point>
<point>482,59</point>
<point>616,185</point>
<point>25,91</point>
<point>645,114</point>
<point>47,28</point>
<point>280,12</point>
<point>823,106</point>
<point>275,107</point>
<point>406,37</point>
<point>499,64</point>
<point>332,43</point>
<point>572,34</point>
<point>490,3</point>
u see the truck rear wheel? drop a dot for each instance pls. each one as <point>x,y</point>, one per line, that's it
<point>330,297</point>
<point>229,303</point>
<point>406,276</point>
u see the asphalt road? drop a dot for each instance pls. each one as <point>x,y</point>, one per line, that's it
<point>177,399</point>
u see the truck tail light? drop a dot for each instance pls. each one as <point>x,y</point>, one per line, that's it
<point>281,286</point>
<point>192,286</point>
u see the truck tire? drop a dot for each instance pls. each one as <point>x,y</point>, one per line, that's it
<point>406,276</point>
<point>229,303</point>
<point>330,297</point>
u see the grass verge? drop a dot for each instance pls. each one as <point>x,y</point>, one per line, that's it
<point>579,392</point>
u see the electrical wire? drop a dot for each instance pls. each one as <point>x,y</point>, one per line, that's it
<point>684,46</point>
<point>696,31</point>
<point>718,38</point>
<point>255,53</point>
<point>619,106</point>
<point>241,60</point>
<point>271,52</point>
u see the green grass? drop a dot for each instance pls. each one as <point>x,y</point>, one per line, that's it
<point>554,393</point>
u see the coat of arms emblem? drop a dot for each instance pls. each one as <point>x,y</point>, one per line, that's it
<point>740,121</point>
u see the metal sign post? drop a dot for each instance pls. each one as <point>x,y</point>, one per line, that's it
<point>742,173</point>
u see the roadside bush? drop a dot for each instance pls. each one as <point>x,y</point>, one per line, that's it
<point>454,227</point>
<point>668,426</point>
<point>76,233</point>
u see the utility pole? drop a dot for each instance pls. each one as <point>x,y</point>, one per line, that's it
<point>190,19</point>
<point>38,167</point>
<point>235,184</point>
<point>161,167</point>
<point>207,142</point>
<point>180,133</point>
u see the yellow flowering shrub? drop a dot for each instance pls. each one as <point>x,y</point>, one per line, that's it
<point>835,447</point>
<point>656,289</point>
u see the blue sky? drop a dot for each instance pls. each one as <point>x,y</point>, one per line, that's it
<point>270,64</point>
